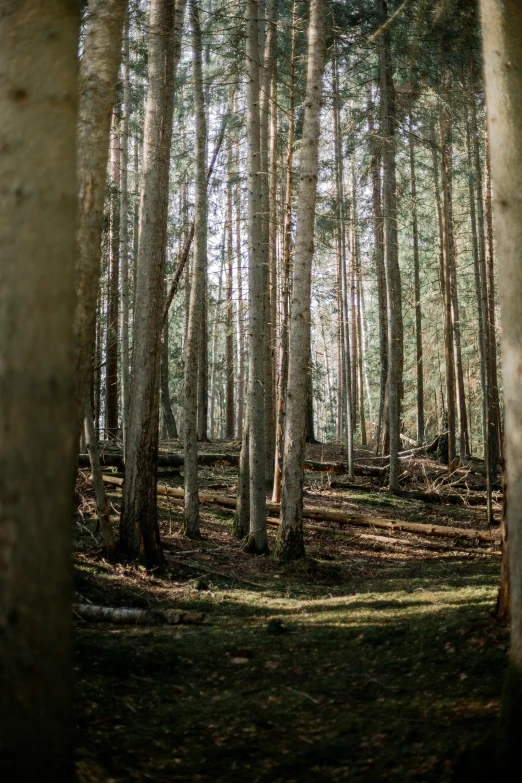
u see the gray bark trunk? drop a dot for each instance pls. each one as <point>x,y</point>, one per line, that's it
<point>98,76</point>
<point>38,410</point>
<point>256,323</point>
<point>421,435</point>
<point>124,237</point>
<point>139,532</point>
<point>190,525</point>
<point>502,31</point>
<point>290,542</point>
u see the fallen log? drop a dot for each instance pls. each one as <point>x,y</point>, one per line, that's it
<point>470,497</point>
<point>125,616</point>
<point>114,460</point>
<point>339,517</point>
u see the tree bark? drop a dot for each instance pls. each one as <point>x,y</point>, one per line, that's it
<point>290,541</point>
<point>393,275</point>
<point>257,542</point>
<point>124,236</point>
<point>171,431</point>
<point>102,507</point>
<point>98,76</point>
<point>421,435</point>
<point>196,322</point>
<point>139,532</point>
<point>38,410</point>
<point>229,347</point>
<point>502,33</point>
<point>282,375</point>
<point>113,281</point>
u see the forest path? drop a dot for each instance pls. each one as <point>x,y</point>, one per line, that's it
<point>377,659</point>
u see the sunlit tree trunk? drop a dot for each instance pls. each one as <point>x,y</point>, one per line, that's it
<point>502,31</point>
<point>139,532</point>
<point>290,541</point>
<point>229,348</point>
<point>98,76</point>
<point>285,276</point>
<point>190,525</point>
<point>38,413</point>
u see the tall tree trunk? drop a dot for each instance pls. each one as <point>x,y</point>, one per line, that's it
<point>290,541</point>
<point>502,31</point>
<point>494,424</point>
<point>38,416</point>
<point>111,349</point>
<point>102,507</point>
<point>378,234</point>
<point>124,236</point>
<point>282,377</point>
<point>229,347</point>
<point>421,435</point>
<point>483,342</point>
<point>190,526</point>
<point>257,542</point>
<point>343,297</point>
<point>139,532</point>
<point>267,61</point>
<point>448,249</point>
<point>393,275</point>
<point>98,76</point>
<point>240,313</point>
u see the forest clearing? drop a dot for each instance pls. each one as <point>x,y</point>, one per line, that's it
<point>378,657</point>
<point>260,390</point>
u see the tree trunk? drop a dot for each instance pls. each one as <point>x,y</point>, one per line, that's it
<point>378,233</point>
<point>290,542</point>
<point>282,375</point>
<point>196,322</point>
<point>240,305</point>
<point>343,297</point>
<point>102,507</point>
<point>494,423</point>
<point>257,542</point>
<point>38,411</point>
<point>171,431</point>
<point>229,347</point>
<point>393,275</point>
<point>202,387</point>
<point>111,348</point>
<point>124,236</point>
<point>98,76</point>
<point>421,435</point>
<point>139,532</point>
<point>502,31</point>
<point>447,245</point>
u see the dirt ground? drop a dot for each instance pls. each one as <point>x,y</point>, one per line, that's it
<point>375,659</point>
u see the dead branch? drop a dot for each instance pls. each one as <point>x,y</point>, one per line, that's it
<point>129,616</point>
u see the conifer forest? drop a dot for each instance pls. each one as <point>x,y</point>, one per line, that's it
<point>261,391</point>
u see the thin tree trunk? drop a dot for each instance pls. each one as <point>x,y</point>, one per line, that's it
<point>257,542</point>
<point>282,379</point>
<point>98,76</point>
<point>169,422</point>
<point>202,398</point>
<point>139,532</point>
<point>341,245</point>
<point>124,237</point>
<point>421,435</point>
<point>196,321</point>
<point>38,412</point>
<point>290,542</point>
<point>447,244</point>
<point>393,275</point>
<point>240,315</point>
<point>111,348</point>
<point>494,424</point>
<point>229,348</point>
<point>502,31</point>
<point>378,233</point>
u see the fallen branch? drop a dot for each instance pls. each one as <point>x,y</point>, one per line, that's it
<point>339,517</point>
<point>125,616</point>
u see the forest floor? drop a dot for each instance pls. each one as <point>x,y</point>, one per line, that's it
<point>375,659</point>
